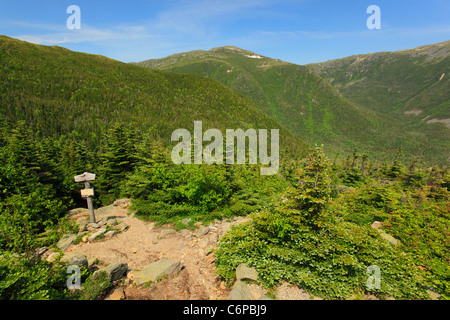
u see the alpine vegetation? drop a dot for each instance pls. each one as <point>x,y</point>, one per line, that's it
<point>213,153</point>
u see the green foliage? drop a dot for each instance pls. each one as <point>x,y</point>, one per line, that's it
<point>330,259</point>
<point>24,278</point>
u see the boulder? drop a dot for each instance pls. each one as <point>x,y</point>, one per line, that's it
<point>66,241</point>
<point>156,270</point>
<point>240,291</point>
<point>244,272</point>
<point>75,259</point>
<point>113,271</point>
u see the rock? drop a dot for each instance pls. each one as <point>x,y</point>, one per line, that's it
<point>118,294</point>
<point>122,202</point>
<point>203,243</point>
<point>82,225</point>
<point>113,271</point>
<point>202,231</point>
<point>97,234</point>
<point>121,226</point>
<point>343,189</point>
<point>185,232</point>
<point>166,233</point>
<point>66,241</point>
<point>41,250</point>
<point>244,272</point>
<point>186,221</point>
<point>111,222</point>
<point>52,257</point>
<point>111,233</point>
<point>91,260</point>
<point>156,270</point>
<point>92,227</point>
<point>102,222</point>
<point>377,225</point>
<point>433,295</point>
<point>240,291</point>
<point>85,238</point>
<point>77,259</point>
<point>386,236</point>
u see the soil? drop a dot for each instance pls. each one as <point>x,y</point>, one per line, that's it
<point>140,245</point>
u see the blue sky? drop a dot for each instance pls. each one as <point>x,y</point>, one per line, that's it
<point>298,31</point>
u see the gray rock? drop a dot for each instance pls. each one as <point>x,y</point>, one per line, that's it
<point>377,225</point>
<point>102,222</point>
<point>240,291</point>
<point>75,259</point>
<point>121,226</point>
<point>97,234</point>
<point>203,231</point>
<point>113,271</point>
<point>166,233</point>
<point>93,225</point>
<point>91,260</point>
<point>244,272</point>
<point>186,221</point>
<point>386,236</point>
<point>66,241</point>
<point>111,233</point>
<point>156,270</point>
<point>82,225</point>
<point>111,222</point>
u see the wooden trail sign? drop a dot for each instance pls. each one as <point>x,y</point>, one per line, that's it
<point>87,192</point>
<point>85,177</point>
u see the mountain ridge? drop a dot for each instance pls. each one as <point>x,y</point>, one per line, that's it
<point>290,94</point>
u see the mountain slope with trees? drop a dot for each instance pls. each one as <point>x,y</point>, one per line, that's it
<point>329,102</point>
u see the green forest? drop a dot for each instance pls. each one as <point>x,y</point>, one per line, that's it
<point>65,113</point>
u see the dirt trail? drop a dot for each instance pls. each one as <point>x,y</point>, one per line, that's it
<point>139,245</point>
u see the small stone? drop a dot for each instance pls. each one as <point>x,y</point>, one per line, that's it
<point>166,233</point>
<point>186,221</point>
<point>121,226</point>
<point>102,222</point>
<point>52,257</point>
<point>377,225</point>
<point>111,233</point>
<point>118,294</point>
<point>202,231</point>
<point>91,261</point>
<point>111,222</point>
<point>97,234</point>
<point>222,286</point>
<point>133,250</point>
<point>93,225</point>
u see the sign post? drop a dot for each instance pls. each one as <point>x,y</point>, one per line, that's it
<point>87,192</point>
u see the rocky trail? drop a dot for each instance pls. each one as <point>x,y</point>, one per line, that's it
<point>157,262</point>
